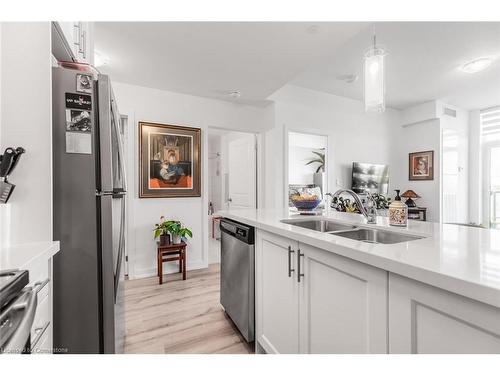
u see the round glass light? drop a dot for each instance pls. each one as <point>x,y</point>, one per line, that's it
<point>477,65</point>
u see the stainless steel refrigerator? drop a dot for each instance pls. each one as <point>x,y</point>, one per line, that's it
<point>89,204</point>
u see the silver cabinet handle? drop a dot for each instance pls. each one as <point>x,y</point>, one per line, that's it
<point>299,274</point>
<point>39,333</point>
<point>39,285</point>
<point>290,269</point>
<point>83,42</point>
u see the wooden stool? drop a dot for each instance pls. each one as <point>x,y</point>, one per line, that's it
<point>170,253</point>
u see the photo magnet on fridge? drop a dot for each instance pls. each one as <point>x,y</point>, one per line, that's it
<point>78,101</point>
<point>84,83</point>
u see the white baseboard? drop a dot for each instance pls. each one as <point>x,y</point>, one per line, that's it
<point>168,268</point>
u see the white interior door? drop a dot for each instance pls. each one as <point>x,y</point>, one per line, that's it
<point>242,177</point>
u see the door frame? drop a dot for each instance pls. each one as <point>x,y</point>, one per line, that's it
<point>486,195</point>
<point>124,125</point>
<point>286,135</point>
<point>259,181</point>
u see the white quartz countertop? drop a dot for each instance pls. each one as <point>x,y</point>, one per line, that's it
<point>460,259</point>
<point>17,256</point>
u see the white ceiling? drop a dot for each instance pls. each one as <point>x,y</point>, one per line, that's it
<point>422,64</point>
<point>212,59</point>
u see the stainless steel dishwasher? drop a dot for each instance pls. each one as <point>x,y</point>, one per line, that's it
<point>237,275</point>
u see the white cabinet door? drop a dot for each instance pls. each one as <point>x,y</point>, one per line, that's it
<point>277,307</point>
<point>79,38</point>
<point>425,319</point>
<point>343,304</point>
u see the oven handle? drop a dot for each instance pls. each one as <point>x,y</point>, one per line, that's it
<point>26,304</point>
<point>39,285</point>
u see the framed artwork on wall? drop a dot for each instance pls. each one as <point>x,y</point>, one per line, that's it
<point>421,166</point>
<point>169,161</point>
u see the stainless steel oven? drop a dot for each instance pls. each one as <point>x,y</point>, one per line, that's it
<point>17,311</point>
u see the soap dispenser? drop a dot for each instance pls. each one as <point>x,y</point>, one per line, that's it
<point>398,212</point>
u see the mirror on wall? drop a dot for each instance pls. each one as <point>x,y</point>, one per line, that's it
<point>307,165</point>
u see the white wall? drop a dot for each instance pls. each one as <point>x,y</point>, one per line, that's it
<point>353,135</point>
<point>26,120</point>
<point>421,136</point>
<point>145,104</point>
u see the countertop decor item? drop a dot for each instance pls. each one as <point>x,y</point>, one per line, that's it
<point>170,161</point>
<point>8,162</point>
<point>305,201</point>
<point>398,212</point>
<point>382,201</point>
<point>421,166</point>
<point>409,194</point>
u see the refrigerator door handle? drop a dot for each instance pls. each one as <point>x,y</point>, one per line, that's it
<point>121,246</point>
<point>119,140</point>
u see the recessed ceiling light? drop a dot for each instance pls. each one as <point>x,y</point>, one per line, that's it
<point>476,65</point>
<point>235,94</point>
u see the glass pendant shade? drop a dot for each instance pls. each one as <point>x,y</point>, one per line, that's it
<point>374,75</point>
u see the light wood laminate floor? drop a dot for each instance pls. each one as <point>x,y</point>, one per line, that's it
<point>179,316</point>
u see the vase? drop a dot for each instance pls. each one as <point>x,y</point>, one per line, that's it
<point>164,240</point>
<point>176,239</point>
<point>319,179</point>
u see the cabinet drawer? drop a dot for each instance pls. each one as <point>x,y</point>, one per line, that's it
<point>41,320</point>
<point>43,345</point>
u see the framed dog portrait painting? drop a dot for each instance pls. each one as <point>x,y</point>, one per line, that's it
<point>421,166</point>
<point>170,161</point>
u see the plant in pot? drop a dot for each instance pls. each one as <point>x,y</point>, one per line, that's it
<point>162,231</point>
<point>178,232</point>
<point>319,175</point>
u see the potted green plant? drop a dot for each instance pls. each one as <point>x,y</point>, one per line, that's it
<point>319,177</point>
<point>178,232</point>
<point>162,231</point>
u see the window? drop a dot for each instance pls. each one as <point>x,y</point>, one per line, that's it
<point>490,124</point>
<point>490,138</point>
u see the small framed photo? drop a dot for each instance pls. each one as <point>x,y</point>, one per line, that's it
<point>84,83</point>
<point>421,166</point>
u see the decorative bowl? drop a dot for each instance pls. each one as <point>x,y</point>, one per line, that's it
<point>306,204</point>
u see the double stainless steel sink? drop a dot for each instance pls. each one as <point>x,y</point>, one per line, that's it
<point>376,236</point>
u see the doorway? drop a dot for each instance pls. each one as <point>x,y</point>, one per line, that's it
<point>232,179</point>
<point>492,193</point>
<point>306,156</point>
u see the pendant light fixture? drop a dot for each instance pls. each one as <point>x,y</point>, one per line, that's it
<point>374,76</point>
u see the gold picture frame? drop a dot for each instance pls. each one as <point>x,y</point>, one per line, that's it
<point>169,161</point>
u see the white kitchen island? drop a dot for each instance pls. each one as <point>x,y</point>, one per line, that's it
<point>318,292</point>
